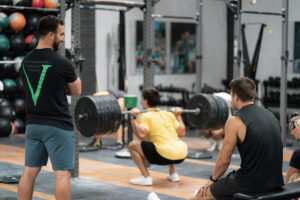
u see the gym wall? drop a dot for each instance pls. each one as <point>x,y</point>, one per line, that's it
<point>214,46</point>
<point>214,42</point>
<point>107,47</point>
<point>269,60</point>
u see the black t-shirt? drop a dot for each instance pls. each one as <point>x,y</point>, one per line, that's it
<point>44,74</point>
<point>295,159</point>
<point>261,150</point>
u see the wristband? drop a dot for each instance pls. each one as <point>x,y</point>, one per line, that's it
<point>212,179</point>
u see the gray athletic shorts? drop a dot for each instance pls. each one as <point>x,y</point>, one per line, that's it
<point>42,141</point>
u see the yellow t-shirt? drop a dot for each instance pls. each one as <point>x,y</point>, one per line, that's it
<point>161,126</point>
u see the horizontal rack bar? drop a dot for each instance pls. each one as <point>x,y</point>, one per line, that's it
<point>29,8</point>
<point>101,8</point>
<point>173,17</point>
<point>261,13</point>
<point>114,3</point>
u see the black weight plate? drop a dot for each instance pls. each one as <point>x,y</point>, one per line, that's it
<point>104,119</point>
<point>99,110</point>
<point>101,116</point>
<point>117,114</point>
<point>224,112</point>
<point>87,126</point>
<point>103,111</point>
<point>217,123</point>
<point>199,101</point>
<point>213,115</point>
<point>110,104</point>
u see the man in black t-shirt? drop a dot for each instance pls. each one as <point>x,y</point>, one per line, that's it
<point>48,78</point>
<point>257,134</point>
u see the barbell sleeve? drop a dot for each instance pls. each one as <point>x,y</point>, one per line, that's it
<point>83,116</point>
<point>196,111</point>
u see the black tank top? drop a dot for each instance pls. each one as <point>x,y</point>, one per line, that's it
<point>261,150</point>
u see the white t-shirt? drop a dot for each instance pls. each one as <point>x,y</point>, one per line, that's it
<point>227,98</point>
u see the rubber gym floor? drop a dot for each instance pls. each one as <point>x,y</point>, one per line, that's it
<point>102,176</point>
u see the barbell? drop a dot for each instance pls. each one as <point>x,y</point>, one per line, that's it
<point>99,115</point>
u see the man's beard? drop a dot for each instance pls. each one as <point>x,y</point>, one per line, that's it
<point>55,45</point>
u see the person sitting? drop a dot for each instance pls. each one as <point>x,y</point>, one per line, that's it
<point>161,131</point>
<point>120,97</point>
<point>257,134</point>
<point>293,172</point>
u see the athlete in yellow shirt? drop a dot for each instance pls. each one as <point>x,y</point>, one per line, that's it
<point>161,131</point>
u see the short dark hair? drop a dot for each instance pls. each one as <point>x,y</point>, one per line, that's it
<point>244,87</point>
<point>152,96</point>
<point>295,114</point>
<point>48,24</point>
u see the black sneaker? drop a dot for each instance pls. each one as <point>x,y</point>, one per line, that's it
<point>116,146</point>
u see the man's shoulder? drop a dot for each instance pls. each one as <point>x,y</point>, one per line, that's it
<point>57,57</point>
<point>234,122</point>
<point>61,61</point>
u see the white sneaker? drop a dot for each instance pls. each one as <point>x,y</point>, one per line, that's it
<point>173,177</point>
<point>213,145</point>
<point>152,196</point>
<point>141,180</point>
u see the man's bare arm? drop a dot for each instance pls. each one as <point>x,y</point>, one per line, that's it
<point>73,88</point>
<point>232,127</point>
<point>180,130</point>
<point>139,130</point>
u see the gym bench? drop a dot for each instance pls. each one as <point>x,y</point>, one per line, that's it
<point>289,191</point>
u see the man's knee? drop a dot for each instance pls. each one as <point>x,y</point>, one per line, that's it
<point>62,174</point>
<point>205,132</point>
<point>31,171</point>
<point>218,133</point>
<point>294,177</point>
<point>133,144</point>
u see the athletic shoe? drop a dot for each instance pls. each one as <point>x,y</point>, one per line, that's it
<point>141,180</point>
<point>173,177</point>
<point>213,145</point>
<point>118,145</point>
<point>152,196</point>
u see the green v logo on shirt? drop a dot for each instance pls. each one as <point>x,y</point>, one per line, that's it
<point>35,95</point>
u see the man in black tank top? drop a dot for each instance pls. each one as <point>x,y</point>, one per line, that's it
<point>257,134</point>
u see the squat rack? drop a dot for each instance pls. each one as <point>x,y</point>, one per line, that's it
<point>148,44</point>
<point>284,14</point>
